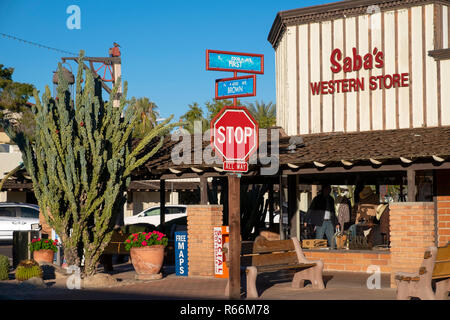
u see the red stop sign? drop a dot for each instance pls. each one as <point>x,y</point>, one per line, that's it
<point>234,134</point>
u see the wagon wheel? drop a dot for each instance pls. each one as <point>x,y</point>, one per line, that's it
<point>103,70</point>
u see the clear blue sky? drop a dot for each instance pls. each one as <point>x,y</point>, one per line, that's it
<point>163,43</point>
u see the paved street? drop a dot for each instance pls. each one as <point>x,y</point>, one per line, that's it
<point>339,286</point>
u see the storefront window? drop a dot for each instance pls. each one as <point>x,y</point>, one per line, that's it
<point>424,183</point>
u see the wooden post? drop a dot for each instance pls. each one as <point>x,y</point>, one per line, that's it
<point>314,191</point>
<point>281,200</point>
<point>162,201</point>
<point>292,204</point>
<point>271,205</point>
<point>234,218</point>
<point>411,174</point>
<point>117,72</point>
<point>203,190</point>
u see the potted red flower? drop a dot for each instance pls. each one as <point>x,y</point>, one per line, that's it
<point>147,253</point>
<point>43,250</point>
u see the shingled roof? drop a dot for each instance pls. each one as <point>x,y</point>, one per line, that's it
<point>407,145</point>
<point>371,148</point>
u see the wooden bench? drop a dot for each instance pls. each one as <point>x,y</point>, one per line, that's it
<point>435,267</point>
<point>115,246</point>
<point>263,256</point>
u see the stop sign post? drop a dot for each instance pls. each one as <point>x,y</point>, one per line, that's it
<point>234,135</point>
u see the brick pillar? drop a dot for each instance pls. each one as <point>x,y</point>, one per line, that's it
<point>443,206</point>
<point>412,232</point>
<point>201,219</point>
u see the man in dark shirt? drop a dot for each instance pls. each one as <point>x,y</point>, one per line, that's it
<point>322,215</point>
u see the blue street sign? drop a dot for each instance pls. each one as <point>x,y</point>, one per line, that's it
<point>236,87</point>
<point>181,253</point>
<point>234,61</point>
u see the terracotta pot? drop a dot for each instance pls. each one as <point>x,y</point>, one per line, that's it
<point>147,260</point>
<point>43,255</point>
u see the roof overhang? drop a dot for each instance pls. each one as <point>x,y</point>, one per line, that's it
<point>335,10</point>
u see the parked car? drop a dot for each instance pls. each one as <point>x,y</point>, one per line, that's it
<point>152,215</point>
<point>16,217</point>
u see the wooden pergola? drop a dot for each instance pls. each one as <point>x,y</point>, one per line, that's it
<point>336,158</point>
<point>389,156</point>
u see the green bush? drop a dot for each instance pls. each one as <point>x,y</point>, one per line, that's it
<point>28,269</point>
<point>4,267</point>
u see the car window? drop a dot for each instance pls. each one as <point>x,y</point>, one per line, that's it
<point>7,212</point>
<point>175,210</point>
<point>28,212</point>
<point>152,212</point>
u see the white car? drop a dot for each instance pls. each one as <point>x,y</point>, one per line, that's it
<point>152,215</point>
<point>16,217</point>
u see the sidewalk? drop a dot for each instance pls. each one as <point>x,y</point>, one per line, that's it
<point>339,286</point>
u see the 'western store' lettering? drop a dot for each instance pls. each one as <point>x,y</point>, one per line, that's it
<point>356,63</point>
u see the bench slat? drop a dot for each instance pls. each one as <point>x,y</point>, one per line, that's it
<point>271,246</point>
<point>441,269</point>
<point>269,259</point>
<point>115,248</point>
<point>443,253</point>
<point>442,264</point>
<point>250,247</point>
<point>284,266</point>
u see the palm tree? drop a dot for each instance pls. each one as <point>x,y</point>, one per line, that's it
<point>265,114</point>
<point>148,112</point>
<point>195,113</point>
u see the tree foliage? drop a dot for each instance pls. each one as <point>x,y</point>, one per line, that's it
<point>13,101</point>
<point>196,113</point>
<point>148,115</point>
<point>264,113</point>
<point>81,160</point>
<point>13,95</point>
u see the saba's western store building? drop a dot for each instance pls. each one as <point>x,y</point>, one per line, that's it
<point>366,84</point>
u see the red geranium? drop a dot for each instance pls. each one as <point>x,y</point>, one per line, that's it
<point>146,239</point>
<point>42,244</point>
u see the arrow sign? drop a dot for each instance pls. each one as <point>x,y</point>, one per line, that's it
<point>236,87</point>
<point>234,61</point>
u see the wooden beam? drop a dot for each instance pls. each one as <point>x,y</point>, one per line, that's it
<point>234,202</point>
<point>162,201</point>
<point>319,164</point>
<point>271,204</point>
<point>203,190</point>
<point>293,166</point>
<point>292,203</point>
<point>369,168</point>
<point>175,171</point>
<point>375,162</point>
<point>196,170</point>
<point>411,175</point>
<point>405,160</point>
<point>438,159</point>
<point>346,163</point>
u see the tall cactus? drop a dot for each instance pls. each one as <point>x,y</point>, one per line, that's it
<point>81,161</point>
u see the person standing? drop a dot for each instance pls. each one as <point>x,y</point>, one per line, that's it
<point>321,214</point>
